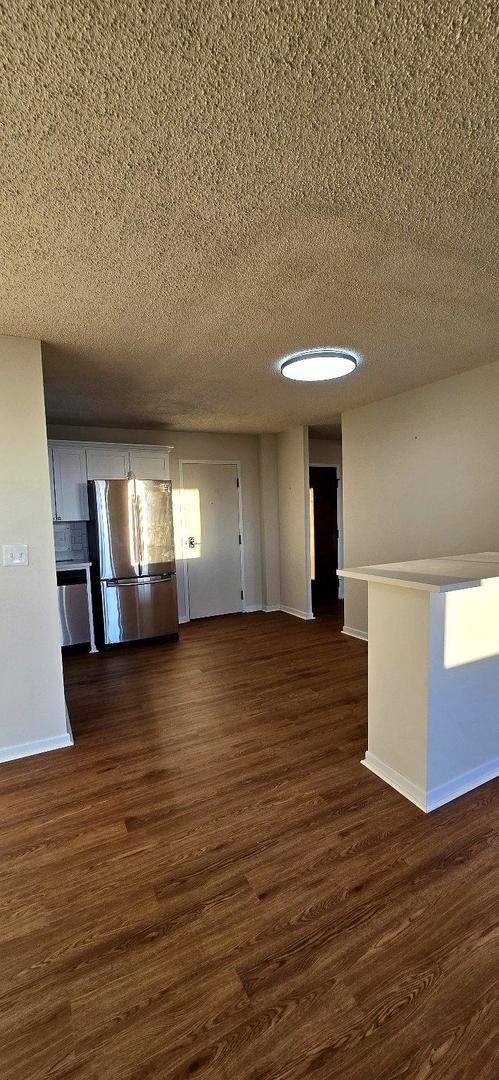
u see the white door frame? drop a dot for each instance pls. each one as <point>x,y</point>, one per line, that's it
<point>183,531</point>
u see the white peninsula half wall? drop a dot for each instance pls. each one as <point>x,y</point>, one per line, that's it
<point>433,688</point>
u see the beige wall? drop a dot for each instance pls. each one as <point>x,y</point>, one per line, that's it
<point>292,459</point>
<point>398,679</point>
<point>325,452</point>
<point>208,447</point>
<point>31,687</point>
<point>269,515</point>
<point>421,476</point>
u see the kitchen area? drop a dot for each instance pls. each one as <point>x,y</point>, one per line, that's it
<point>114,544</point>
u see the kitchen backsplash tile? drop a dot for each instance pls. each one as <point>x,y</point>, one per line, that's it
<point>70,540</point>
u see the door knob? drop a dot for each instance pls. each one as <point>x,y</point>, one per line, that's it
<point>191,542</point>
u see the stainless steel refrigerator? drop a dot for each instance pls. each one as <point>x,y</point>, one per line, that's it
<point>133,553</point>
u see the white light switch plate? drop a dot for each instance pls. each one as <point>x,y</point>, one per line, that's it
<point>15,555</point>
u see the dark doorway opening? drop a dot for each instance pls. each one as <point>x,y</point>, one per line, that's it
<point>324,539</point>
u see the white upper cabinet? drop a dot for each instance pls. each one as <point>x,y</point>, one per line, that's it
<point>150,464</point>
<point>69,491</point>
<point>72,464</point>
<point>52,484</point>
<point>107,464</point>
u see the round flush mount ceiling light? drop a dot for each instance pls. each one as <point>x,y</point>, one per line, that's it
<point>318,365</point>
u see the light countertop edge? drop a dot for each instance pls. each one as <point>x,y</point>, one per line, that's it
<point>363,574</point>
<point>446,573</point>
<point>70,564</point>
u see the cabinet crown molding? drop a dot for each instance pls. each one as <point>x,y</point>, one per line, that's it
<point>84,444</point>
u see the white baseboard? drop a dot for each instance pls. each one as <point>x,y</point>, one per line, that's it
<point>251,607</point>
<point>68,725</point>
<point>413,792</point>
<point>267,607</point>
<point>40,746</point>
<point>350,631</point>
<point>287,610</point>
<point>295,611</point>
<point>460,785</point>
<point>437,796</point>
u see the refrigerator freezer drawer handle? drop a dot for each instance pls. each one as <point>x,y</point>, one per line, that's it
<point>155,577</point>
<point>138,581</point>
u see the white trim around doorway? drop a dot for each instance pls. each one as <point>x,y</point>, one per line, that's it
<point>183,534</point>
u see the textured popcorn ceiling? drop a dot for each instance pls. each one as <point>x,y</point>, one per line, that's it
<point>193,189</point>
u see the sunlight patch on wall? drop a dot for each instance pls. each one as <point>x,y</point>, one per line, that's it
<point>471,624</point>
<point>187,519</point>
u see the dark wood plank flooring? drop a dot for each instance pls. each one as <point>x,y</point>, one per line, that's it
<point>209,884</point>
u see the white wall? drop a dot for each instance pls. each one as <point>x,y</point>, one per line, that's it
<point>269,515</point>
<point>420,477</point>
<point>294,536</point>
<point>205,446</point>
<point>32,704</point>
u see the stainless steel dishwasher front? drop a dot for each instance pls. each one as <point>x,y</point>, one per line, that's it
<point>73,607</point>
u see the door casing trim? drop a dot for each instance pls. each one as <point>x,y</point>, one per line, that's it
<point>183,531</point>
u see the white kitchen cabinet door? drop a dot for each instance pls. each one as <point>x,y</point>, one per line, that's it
<point>52,484</point>
<point>150,464</point>
<point>70,502</point>
<point>104,464</point>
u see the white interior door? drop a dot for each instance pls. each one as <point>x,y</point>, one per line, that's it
<point>212,549</point>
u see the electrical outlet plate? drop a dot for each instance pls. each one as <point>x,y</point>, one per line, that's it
<point>15,555</point>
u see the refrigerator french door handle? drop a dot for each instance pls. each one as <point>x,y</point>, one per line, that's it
<point>153,580</point>
<point>150,579</point>
<point>122,584</point>
<point>137,526</point>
